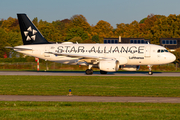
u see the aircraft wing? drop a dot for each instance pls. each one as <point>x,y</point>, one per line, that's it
<point>77,56</point>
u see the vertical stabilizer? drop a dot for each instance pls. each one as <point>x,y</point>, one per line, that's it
<point>30,34</point>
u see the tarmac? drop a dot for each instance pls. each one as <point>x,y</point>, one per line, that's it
<point>89,99</point>
<point>82,73</point>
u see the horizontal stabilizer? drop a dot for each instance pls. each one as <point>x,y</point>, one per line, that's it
<point>9,47</point>
<point>19,48</point>
<point>23,49</point>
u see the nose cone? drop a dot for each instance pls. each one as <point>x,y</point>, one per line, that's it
<point>171,58</point>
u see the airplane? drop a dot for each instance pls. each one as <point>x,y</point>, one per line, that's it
<point>106,57</point>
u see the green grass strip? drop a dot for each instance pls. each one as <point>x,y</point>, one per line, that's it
<point>88,111</point>
<point>90,85</point>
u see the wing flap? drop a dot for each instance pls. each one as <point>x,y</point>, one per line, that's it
<point>75,55</point>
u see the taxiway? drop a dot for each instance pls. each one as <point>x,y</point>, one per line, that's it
<point>82,73</point>
<point>89,99</point>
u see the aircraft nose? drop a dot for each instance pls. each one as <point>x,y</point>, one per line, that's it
<point>172,58</point>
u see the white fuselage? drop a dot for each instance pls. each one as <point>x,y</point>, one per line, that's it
<point>126,54</point>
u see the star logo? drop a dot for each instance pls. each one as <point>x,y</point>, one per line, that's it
<point>30,34</point>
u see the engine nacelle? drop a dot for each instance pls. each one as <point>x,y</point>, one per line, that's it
<point>109,65</point>
<point>130,67</point>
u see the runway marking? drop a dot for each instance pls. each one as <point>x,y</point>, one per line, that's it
<point>89,99</point>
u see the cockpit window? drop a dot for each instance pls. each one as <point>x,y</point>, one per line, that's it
<point>166,50</point>
<point>162,50</point>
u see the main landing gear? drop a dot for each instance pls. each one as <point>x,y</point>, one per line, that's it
<point>150,70</point>
<point>89,71</point>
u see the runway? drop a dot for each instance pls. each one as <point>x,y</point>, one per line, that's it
<point>82,73</point>
<point>89,99</point>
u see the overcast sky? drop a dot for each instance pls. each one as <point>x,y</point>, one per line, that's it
<point>112,11</point>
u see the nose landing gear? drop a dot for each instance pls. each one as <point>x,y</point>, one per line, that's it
<point>150,70</point>
<point>150,73</point>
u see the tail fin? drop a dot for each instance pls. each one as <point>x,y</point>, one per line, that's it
<point>30,34</point>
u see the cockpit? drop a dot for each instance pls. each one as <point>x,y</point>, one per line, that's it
<point>162,50</point>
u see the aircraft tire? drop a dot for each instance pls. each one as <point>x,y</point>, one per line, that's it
<point>89,72</point>
<point>150,73</point>
<point>103,72</point>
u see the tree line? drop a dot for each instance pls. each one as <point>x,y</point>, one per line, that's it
<point>78,29</point>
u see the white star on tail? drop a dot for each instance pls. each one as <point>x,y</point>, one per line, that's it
<point>33,34</point>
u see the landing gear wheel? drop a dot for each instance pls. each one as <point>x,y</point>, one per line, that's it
<point>150,73</point>
<point>89,72</point>
<point>150,70</point>
<point>103,72</point>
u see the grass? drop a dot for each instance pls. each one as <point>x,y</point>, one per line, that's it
<point>90,85</point>
<point>85,110</point>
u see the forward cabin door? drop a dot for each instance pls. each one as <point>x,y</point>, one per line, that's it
<point>137,57</point>
<point>147,54</point>
<point>148,51</point>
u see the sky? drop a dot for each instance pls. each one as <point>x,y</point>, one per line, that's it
<point>112,11</point>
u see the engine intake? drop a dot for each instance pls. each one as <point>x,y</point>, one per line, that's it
<point>109,65</point>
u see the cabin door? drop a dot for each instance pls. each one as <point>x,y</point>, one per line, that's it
<point>47,49</point>
<point>147,51</point>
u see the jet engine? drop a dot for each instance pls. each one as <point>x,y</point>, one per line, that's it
<point>130,67</point>
<point>109,65</point>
